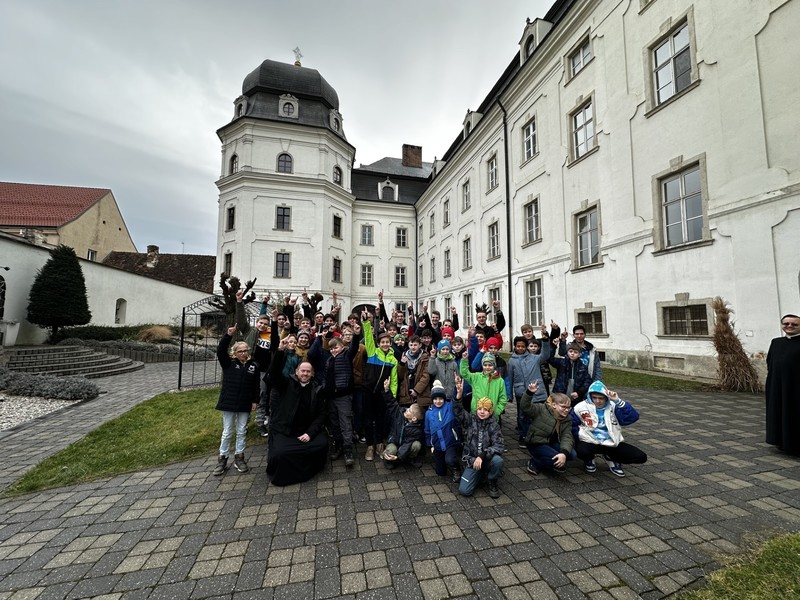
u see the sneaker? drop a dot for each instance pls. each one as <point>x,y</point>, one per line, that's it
<point>589,466</point>
<point>532,468</point>
<point>522,444</point>
<point>616,468</point>
<point>380,448</point>
<point>222,466</point>
<point>456,476</point>
<point>362,439</point>
<point>348,458</point>
<point>240,463</point>
<point>336,452</point>
<point>370,454</point>
<point>560,469</point>
<point>493,491</point>
<point>262,431</point>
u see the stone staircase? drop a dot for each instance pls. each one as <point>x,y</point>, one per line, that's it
<point>62,361</point>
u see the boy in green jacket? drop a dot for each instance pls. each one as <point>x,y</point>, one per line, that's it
<point>486,384</point>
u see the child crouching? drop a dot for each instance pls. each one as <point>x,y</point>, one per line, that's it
<point>483,445</point>
<point>549,437</point>
<point>405,431</point>
<point>443,434</point>
<point>597,426</point>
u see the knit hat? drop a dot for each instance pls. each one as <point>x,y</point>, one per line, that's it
<point>437,390</point>
<point>448,330</point>
<point>305,332</point>
<point>488,358</point>
<point>399,338</point>
<point>485,403</point>
<point>443,344</point>
<point>493,341</point>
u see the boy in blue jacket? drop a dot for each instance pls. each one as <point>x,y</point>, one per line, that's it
<point>443,434</point>
<point>597,428</point>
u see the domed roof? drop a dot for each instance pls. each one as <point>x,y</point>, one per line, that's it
<point>283,78</point>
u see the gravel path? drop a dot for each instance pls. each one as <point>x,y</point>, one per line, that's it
<point>15,410</point>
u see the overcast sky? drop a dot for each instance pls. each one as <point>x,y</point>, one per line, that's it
<point>128,94</point>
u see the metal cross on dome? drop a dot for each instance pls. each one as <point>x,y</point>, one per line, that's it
<point>297,54</point>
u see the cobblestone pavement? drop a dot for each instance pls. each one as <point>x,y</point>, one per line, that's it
<point>177,532</point>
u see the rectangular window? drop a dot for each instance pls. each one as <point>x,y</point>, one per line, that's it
<point>682,207</point>
<point>91,255</point>
<point>582,130</point>
<point>587,228</point>
<point>401,237</point>
<point>491,172</point>
<point>366,275</point>
<point>432,227</point>
<point>283,217</point>
<point>282,265</point>
<point>419,233</point>
<point>227,263</point>
<point>529,139</point>
<point>230,218</point>
<point>366,235</point>
<point>448,302</point>
<point>531,212</point>
<point>534,302</point>
<point>579,58</point>
<point>467,311</point>
<point>447,263</point>
<point>686,320</point>
<point>494,241</point>
<point>433,268</point>
<point>337,226</point>
<point>337,270</point>
<point>466,247</point>
<point>592,321</point>
<point>466,203</point>
<point>446,213</point>
<point>672,64</point>
<point>432,305</point>
<point>494,294</point>
<point>400,277</point>
<point>419,274</point>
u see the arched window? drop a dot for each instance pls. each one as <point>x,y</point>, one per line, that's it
<point>234,165</point>
<point>337,176</point>
<point>239,110</point>
<point>388,193</point>
<point>529,46</point>
<point>119,311</point>
<point>284,163</point>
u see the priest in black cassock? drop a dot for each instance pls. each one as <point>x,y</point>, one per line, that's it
<point>783,388</point>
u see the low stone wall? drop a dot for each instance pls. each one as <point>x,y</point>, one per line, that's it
<point>140,355</point>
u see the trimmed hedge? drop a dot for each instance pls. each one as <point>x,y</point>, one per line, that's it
<point>100,332</point>
<point>171,348</point>
<point>46,386</point>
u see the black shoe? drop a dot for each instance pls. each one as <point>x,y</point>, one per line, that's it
<point>348,458</point>
<point>336,452</point>
<point>240,463</point>
<point>493,491</point>
<point>222,466</point>
<point>262,431</point>
<point>456,475</point>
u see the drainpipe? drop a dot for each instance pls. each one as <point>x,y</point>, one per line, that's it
<point>416,261</point>
<point>509,245</point>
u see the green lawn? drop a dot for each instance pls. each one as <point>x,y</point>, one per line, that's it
<point>614,378</point>
<point>167,428</point>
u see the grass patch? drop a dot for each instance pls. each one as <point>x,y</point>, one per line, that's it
<point>772,571</point>
<point>167,428</point>
<point>614,378</point>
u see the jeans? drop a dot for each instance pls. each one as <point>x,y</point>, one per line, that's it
<point>523,420</point>
<point>470,478</point>
<point>231,420</point>
<point>444,459</point>
<point>341,416</point>
<point>542,455</point>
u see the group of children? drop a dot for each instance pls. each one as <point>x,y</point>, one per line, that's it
<point>406,383</point>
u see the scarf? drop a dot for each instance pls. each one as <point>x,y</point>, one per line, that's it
<point>411,360</point>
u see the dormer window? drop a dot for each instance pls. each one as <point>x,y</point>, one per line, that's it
<point>240,107</point>
<point>336,120</point>
<point>470,121</point>
<point>388,191</point>
<point>288,107</point>
<point>529,46</point>
<point>535,32</point>
<point>239,110</point>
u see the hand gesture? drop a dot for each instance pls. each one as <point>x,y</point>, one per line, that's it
<point>305,296</point>
<point>544,329</point>
<point>410,307</point>
<point>459,386</point>
<point>533,387</point>
<point>274,313</point>
<point>471,331</point>
<point>422,324</point>
<point>404,358</point>
<point>286,299</point>
<point>495,305</point>
<point>231,330</point>
<point>564,335</point>
<point>453,309</point>
<point>333,296</point>
<point>380,296</point>
<point>433,351</point>
<point>554,325</point>
<point>612,395</point>
<point>292,302</point>
<point>364,315</point>
<point>265,299</point>
<point>239,295</point>
<point>425,309</point>
<point>356,328</point>
<point>386,385</point>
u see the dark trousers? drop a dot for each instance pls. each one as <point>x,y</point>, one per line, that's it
<point>542,455</point>
<point>358,411</point>
<point>624,453</point>
<point>374,410</point>
<point>340,413</point>
<point>447,459</point>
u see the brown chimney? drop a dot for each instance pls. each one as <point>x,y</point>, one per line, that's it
<point>152,256</point>
<point>412,156</point>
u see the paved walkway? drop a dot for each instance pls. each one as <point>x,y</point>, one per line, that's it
<point>178,532</point>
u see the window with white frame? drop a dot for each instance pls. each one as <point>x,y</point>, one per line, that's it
<point>447,266</point>
<point>400,279</point>
<point>419,232</point>
<point>227,263</point>
<point>337,176</point>
<point>448,302</point>
<point>494,294</point>
<point>282,265</point>
<point>587,233</point>
<point>583,138</point>
<point>230,218</point>
<point>466,252</point>
<point>336,276</point>
<point>580,57</point>
<point>433,268</point>
<point>91,255</point>
<point>491,172</point>
<point>283,217</point>
<point>432,226</point>
<point>337,226</point>
<point>529,139</point>
<point>366,276</point>
<point>531,215</point>
<point>683,211</point>
<point>466,202</point>
<point>446,213</point>
<point>401,237</point>
<point>234,165</point>
<point>672,64</point>
<point>494,240</point>
<point>366,235</point>
<point>534,302</point>
<point>468,309</point>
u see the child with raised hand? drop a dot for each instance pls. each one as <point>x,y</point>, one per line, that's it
<point>443,366</point>
<point>486,384</point>
<point>443,432</point>
<point>597,427</point>
<point>483,446</point>
<point>549,438</point>
<point>573,377</point>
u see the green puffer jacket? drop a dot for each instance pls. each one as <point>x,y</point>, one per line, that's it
<point>544,424</point>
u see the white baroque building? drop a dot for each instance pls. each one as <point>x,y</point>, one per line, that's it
<point>634,160</point>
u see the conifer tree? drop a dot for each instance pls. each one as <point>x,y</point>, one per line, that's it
<point>58,295</point>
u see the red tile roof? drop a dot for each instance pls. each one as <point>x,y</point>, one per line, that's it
<point>34,205</point>
<point>193,271</point>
